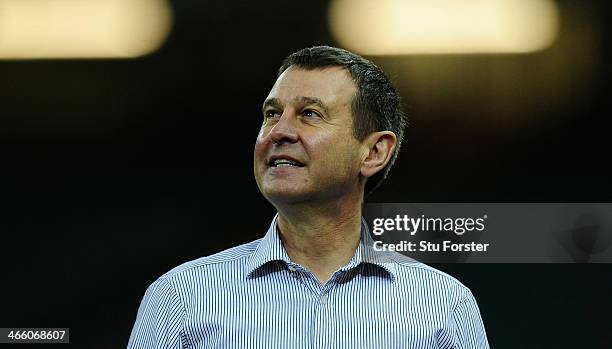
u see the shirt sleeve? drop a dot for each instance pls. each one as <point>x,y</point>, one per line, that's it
<point>159,321</point>
<point>465,329</point>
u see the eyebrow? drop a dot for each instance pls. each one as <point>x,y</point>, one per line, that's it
<point>272,102</point>
<point>276,103</point>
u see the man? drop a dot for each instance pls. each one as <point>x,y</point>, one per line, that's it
<point>332,123</point>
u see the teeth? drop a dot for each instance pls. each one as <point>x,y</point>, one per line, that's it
<point>284,163</point>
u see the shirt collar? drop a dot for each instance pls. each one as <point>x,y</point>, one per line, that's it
<point>270,249</point>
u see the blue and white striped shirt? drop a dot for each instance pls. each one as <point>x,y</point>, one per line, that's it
<point>253,296</point>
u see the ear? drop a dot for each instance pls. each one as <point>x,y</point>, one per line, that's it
<point>380,146</point>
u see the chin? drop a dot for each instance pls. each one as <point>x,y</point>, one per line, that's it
<point>285,195</point>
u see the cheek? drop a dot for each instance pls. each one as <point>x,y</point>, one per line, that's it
<point>261,146</point>
<point>322,141</point>
<point>339,153</point>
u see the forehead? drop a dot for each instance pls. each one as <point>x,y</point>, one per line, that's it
<point>332,85</point>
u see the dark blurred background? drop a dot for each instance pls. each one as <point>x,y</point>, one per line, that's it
<point>116,170</point>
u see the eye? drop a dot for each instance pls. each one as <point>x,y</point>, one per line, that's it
<point>269,114</point>
<point>311,113</point>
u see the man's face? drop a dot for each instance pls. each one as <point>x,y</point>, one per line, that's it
<point>305,150</point>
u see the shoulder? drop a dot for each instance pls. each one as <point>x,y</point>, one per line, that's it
<point>427,279</point>
<point>200,276</point>
<point>229,261</point>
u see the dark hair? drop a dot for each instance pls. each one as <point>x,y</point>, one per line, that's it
<point>376,105</point>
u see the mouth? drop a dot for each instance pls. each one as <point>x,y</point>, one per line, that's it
<point>284,161</point>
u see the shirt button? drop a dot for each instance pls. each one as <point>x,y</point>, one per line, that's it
<point>291,268</point>
<point>323,299</point>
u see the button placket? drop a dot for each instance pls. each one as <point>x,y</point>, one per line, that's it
<point>323,299</point>
<point>324,322</point>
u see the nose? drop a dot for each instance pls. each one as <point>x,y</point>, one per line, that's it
<point>286,129</point>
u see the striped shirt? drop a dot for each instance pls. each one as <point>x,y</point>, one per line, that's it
<point>254,296</point>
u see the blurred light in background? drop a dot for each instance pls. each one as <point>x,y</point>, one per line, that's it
<point>387,27</point>
<point>42,29</point>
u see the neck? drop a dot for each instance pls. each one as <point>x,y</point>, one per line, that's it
<point>322,237</point>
